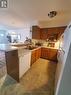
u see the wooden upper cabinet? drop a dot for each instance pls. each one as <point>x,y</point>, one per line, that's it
<point>35,32</point>
<point>61,31</point>
<point>44,32</point>
<point>47,33</point>
<point>52,32</point>
<point>55,32</point>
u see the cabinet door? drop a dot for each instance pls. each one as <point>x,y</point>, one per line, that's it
<point>43,34</point>
<point>35,32</point>
<point>52,33</point>
<point>53,54</point>
<point>49,54</point>
<point>38,54</point>
<point>55,32</point>
<point>33,58</point>
<point>44,53</point>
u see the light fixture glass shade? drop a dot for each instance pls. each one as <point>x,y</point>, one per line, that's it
<point>52,14</point>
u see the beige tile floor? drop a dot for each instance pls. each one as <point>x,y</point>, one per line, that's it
<point>39,80</point>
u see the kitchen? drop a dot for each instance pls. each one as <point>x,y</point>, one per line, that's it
<point>31,50</point>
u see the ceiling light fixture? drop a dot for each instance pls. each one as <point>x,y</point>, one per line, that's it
<point>52,14</point>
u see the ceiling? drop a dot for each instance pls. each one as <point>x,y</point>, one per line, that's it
<point>22,13</point>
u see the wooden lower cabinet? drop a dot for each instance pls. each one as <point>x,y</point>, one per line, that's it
<point>45,53</point>
<point>36,54</point>
<point>33,59</point>
<point>12,63</point>
<point>49,54</point>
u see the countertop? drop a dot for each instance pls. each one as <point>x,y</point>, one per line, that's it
<point>9,47</point>
<point>50,47</point>
<point>44,47</point>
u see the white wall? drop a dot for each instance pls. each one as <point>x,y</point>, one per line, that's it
<point>24,32</point>
<point>3,38</point>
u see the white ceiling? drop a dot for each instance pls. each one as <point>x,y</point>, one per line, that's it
<point>25,12</point>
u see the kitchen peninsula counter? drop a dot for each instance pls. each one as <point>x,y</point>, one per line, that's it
<point>18,58</point>
<point>7,47</point>
<point>16,62</point>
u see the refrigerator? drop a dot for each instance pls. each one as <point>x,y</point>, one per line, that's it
<point>63,70</point>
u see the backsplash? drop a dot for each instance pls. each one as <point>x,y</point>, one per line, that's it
<point>46,43</point>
